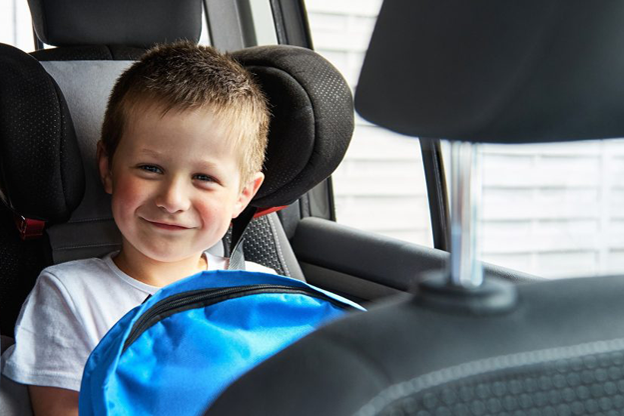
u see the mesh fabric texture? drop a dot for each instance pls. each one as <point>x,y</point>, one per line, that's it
<point>42,176</point>
<point>312,122</point>
<point>590,384</point>
<point>260,245</point>
<point>20,264</point>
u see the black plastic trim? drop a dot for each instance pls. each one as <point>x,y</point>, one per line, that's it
<point>38,43</point>
<point>368,256</point>
<point>437,192</point>
<point>291,23</point>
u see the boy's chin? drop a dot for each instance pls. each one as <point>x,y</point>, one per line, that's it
<point>174,257</point>
<point>164,255</point>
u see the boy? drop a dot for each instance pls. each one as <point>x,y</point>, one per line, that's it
<point>181,153</point>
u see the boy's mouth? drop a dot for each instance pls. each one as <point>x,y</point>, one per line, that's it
<point>166,226</point>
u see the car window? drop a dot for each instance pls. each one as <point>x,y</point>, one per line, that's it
<point>15,24</point>
<point>380,185</point>
<point>551,209</point>
<point>554,210</point>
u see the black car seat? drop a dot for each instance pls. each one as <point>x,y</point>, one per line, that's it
<point>51,108</point>
<point>486,71</point>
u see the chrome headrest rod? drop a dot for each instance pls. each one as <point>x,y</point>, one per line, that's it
<point>466,190</point>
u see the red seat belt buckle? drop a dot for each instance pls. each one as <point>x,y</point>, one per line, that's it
<point>29,228</point>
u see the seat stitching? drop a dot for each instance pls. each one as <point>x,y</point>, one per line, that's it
<point>450,374</point>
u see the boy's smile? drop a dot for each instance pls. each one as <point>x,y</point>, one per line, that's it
<point>176,185</point>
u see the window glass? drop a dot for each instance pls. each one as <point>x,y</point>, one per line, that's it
<point>15,24</point>
<point>554,210</point>
<point>204,38</point>
<point>380,185</point>
<point>264,26</point>
<point>551,210</point>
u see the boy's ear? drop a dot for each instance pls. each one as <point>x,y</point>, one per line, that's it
<point>247,193</point>
<point>105,168</point>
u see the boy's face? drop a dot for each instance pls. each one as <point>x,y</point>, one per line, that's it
<point>175,183</point>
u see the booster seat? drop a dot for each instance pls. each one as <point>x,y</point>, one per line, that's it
<point>51,108</point>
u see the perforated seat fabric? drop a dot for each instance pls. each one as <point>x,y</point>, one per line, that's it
<point>21,262</point>
<point>266,243</point>
<point>312,113</point>
<point>38,148</point>
<point>39,177</point>
<point>558,352</point>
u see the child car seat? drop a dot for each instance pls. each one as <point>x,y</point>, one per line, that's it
<point>310,129</point>
<point>51,111</point>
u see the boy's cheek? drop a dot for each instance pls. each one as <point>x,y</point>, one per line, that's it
<point>126,195</point>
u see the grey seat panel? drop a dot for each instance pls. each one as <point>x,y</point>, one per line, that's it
<point>91,230</point>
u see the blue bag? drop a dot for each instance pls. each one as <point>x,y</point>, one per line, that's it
<point>184,345</point>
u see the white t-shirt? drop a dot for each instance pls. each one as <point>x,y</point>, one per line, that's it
<point>67,313</point>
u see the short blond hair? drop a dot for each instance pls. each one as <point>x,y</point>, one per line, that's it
<point>184,77</point>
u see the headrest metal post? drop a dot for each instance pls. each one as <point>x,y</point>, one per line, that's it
<point>465,270</point>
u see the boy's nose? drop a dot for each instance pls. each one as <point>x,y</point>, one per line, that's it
<point>173,197</point>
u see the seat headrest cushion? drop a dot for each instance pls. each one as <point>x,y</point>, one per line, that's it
<point>496,71</point>
<point>89,53</point>
<point>115,22</point>
<point>312,119</point>
<point>41,173</point>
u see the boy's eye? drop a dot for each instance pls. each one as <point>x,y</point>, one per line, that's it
<point>204,178</point>
<point>150,168</point>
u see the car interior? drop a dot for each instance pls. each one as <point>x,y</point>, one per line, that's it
<point>462,344</point>
<point>443,332</point>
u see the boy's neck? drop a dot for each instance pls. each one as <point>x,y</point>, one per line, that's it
<point>155,273</point>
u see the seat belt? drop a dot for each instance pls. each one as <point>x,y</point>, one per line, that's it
<point>239,226</point>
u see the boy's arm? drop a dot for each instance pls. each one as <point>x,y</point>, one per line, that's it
<point>53,401</point>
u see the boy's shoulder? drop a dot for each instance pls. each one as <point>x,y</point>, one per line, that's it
<point>78,275</point>
<point>93,283</point>
<point>80,266</point>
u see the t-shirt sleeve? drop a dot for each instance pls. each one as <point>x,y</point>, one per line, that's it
<point>51,347</point>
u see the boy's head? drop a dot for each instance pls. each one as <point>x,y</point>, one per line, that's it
<point>181,77</point>
<point>182,148</point>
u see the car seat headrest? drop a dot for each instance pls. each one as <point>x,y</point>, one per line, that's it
<point>310,129</point>
<point>115,22</point>
<point>500,72</point>
<point>41,174</point>
<point>312,119</point>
